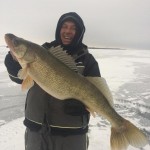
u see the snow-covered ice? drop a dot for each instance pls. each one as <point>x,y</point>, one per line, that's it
<point>128,75</point>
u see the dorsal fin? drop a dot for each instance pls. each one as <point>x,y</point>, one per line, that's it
<point>101,84</point>
<point>65,58</point>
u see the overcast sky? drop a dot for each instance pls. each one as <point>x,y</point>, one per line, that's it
<point>109,23</point>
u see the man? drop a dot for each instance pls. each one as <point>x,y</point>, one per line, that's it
<point>53,124</point>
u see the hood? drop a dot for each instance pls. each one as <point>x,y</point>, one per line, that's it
<point>77,42</point>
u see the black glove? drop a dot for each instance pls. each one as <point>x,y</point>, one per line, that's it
<point>74,107</point>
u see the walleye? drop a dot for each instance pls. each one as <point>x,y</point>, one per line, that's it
<point>50,69</point>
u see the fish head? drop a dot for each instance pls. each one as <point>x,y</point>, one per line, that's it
<point>20,48</point>
<point>15,45</point>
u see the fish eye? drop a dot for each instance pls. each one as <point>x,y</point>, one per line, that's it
<point>15,42</point>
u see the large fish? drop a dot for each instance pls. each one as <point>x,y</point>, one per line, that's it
<point>50,69</point>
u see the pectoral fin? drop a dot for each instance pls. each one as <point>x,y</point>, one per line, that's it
<point>91,112</point>
<point>101,84</point>
<point>22,73</point>
<point>27,80</point>
<point>27,83</point>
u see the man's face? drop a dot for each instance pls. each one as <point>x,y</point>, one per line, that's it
<point>67,32</point>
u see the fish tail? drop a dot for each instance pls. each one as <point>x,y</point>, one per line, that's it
<point>126,135</point>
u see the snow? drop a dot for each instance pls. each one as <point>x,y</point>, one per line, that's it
<point>127,75</point>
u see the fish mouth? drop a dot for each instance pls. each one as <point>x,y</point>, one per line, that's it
<point>8,39</point>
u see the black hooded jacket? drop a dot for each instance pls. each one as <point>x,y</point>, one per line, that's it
<point>64,117</point>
